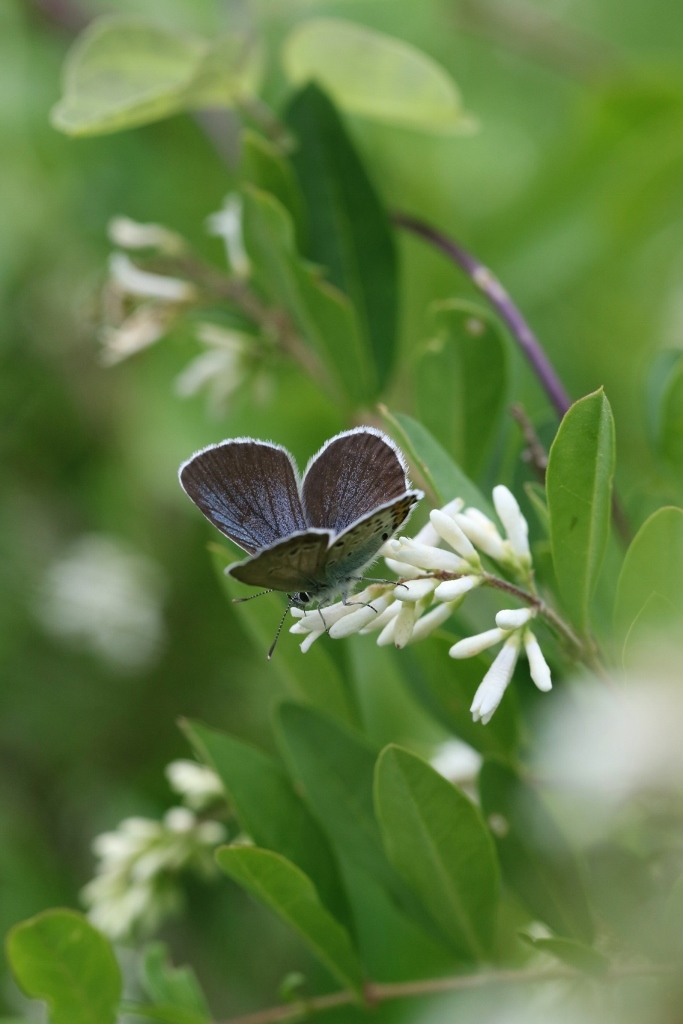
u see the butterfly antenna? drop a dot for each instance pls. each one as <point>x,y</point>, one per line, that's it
<point>241,600</point>
<point>279,630</point>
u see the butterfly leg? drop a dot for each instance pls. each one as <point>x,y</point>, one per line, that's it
<point>360,604</point>
<point>375,579</point>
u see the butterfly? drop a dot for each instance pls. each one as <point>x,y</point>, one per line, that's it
<point>312,537</point>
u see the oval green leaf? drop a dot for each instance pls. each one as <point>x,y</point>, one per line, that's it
<point>568,951</point>
<point>461,380</point>
<point>349,232</point>
<point>538,863</point>
<point>437,840</point>
<point>579,489</point>
<point>60,958</point>
<point>283,887</point>
<point>375,75</point>
<point>650,587</point>
<point>124,71</point>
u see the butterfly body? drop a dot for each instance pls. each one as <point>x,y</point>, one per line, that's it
<point>310,539</point>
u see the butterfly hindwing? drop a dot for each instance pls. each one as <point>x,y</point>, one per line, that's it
<point>248,489</point>
<point>359,544</point>
<point>296,563</point>
<point>352,475</point>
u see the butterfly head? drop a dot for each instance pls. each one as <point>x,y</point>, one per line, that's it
<point>301,599</point>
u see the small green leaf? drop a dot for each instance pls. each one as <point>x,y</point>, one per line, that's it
<point>164,1013</point>
<point>446,688</point>
<point>665,367</point>
<point>124,71</point>
<point>441,474</point>
<point>575,954</point>
<point>437,840</point>
<point>269,810</point>
<point>266,167</point>
<point>535,492</point>
<point>375,75</point>
<point>284,888</point>
<point>460,381</point>
<point>349,231</point>
<point>176,987</point>
<point>59,957</point>
<point>670,434</point>
<point>579,488</point>
<point>649,591</point>
<point>324,317</point>
<point>313,677</point>
<point>537,862</point>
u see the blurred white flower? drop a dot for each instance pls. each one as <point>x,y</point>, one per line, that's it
<point>227,224</point>
<point>198,785</point>
<point>456,761</point>
<point>142,328</point>
<point>131,280</point>
<point>222,369</point>
<point>104,596</point>
<point>129,234</point>
<point>135,885</point>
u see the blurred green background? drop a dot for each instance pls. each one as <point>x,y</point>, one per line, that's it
<point>572,191</point>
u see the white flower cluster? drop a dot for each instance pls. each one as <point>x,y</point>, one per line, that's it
<point>136,881</point>
<point>434,582</point>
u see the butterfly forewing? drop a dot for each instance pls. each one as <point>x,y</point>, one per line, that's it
<point>248,489</point>
<point>352,475</point>
<point>358,545</point>
<point>297,563</point>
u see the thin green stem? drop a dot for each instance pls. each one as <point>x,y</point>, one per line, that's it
<point>376,992</point>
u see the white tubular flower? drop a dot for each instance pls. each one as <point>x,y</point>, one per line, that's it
<point>227,224</point>
<point>133,281</point>
<point>428,558</point>
<point>496,681</point>
<point>134,887</point>
<point>360,617</point>
<point>514,618</point>
<point>314,635</point>
<point>129,234</point>
<point>145,326</point>
<point>452,590</point>
<point>434,618</point>
<point>472,645</point>
<point>386,637</point>
<point>448,530</point>
<point>402,569</point>
<point>514,522</point>
<point>404,623</point>
<point>484,534</point>
<point>383,618</point>
<point>415,590</point>
<point>538,666</point>
<point>197,784</point>
<point>428,535</point>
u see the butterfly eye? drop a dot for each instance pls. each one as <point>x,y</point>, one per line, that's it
<point>303,597</point>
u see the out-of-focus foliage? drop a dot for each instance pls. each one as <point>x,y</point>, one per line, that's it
<point>571,191</point>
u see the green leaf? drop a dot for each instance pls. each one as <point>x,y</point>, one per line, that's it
<point>579,488</point>
<point>335,769</point>
<point>375,75</point>
<point>446,688</point>
<point>535,492</point>
<point>266,167</point>
<point>670,434</point>
<point>537,862</point>
<point>164,1013</point>
<point>283,887</point>
<point>575,954</point>
<point>323,316</point>
<point>665,367</point>
<point>269,810</point>
<point>124,71</point>
<point>349,231</point>
<point>437,840</point>
<point>649,591</point>
<point>441,474</point>
<point>60,958</point>
<point>176,987</point>
<point>460,381</point>
<point>313,677</point>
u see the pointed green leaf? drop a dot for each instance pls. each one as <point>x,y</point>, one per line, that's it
<point>284,888</point>
<point>60,958</point>
<point>460,381</point>
<point>665,368</point>
<point>267,167</point>
<point>669,416</point>
<point>537,862</point>
<point>650,591</point>
<point>176,987</point>
<point>324,317</point>
<point>375,75</point>
<point>124,71</point>
<point>575,954</point>
<point>535,492</point>
<point>269,810</point>
<point>442,475</point>
<point>349,231</point>
<point>313,677</point>
<point>579,488</point>
<point>437,840</point>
